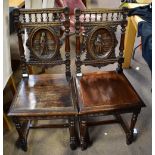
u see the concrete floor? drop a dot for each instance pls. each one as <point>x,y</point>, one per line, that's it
<point>107,140</point>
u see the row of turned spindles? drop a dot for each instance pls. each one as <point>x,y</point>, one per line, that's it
<point>44,17</point>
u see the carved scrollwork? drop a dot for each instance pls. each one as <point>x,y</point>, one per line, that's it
<point>101,43</point>
<point>44,43</point>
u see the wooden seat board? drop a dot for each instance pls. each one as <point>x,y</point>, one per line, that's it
<point>107,90</point>
<point>46,92</point>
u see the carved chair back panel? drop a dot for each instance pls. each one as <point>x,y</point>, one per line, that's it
<point>98,28</point>
<point>40,37</point>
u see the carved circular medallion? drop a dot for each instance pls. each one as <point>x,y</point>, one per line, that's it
<point>101,42</point>
<point>43,43</point>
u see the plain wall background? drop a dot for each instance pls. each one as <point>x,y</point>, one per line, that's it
<point>7,71</point>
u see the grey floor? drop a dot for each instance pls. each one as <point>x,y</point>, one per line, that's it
<point>107,140</point>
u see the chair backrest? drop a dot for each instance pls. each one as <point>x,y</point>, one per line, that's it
<point>97,28</point>
<point>43,37</point>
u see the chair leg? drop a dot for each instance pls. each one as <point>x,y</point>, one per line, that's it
<point>21,141</point>
<point>130,134</point>
<point>73,134</point>
<point>84,135</point>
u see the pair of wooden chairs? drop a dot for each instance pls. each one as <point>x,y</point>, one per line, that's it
<point>61,96</point>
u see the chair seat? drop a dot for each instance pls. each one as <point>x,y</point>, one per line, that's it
<point>106,91</point>
<point>44,94</point>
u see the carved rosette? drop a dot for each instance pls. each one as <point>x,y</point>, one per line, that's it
<point>44,43</point>
<point>101,43</point>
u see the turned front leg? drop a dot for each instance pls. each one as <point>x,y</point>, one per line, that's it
<point>84,135</point>
<point>73,134</point>
<point>21,141</point>
<point>130,134</point>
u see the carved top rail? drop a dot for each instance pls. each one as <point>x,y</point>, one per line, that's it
<point>39,17</point>
<point>101,16</point>
<point>45,10</point>
<point>103,10</point>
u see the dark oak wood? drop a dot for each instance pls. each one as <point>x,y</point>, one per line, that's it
<point>107,92</point>
<point>130,134</point>
<point>73,134</point>
<point>65,125</point>
<point>22,132</point>
<point>99,39</point>
<point>43,96</point>
<point>44,35</point>
<point>84,135</point>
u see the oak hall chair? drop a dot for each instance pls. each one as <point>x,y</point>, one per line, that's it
<point>44,96</point>
<point>104,92</point>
